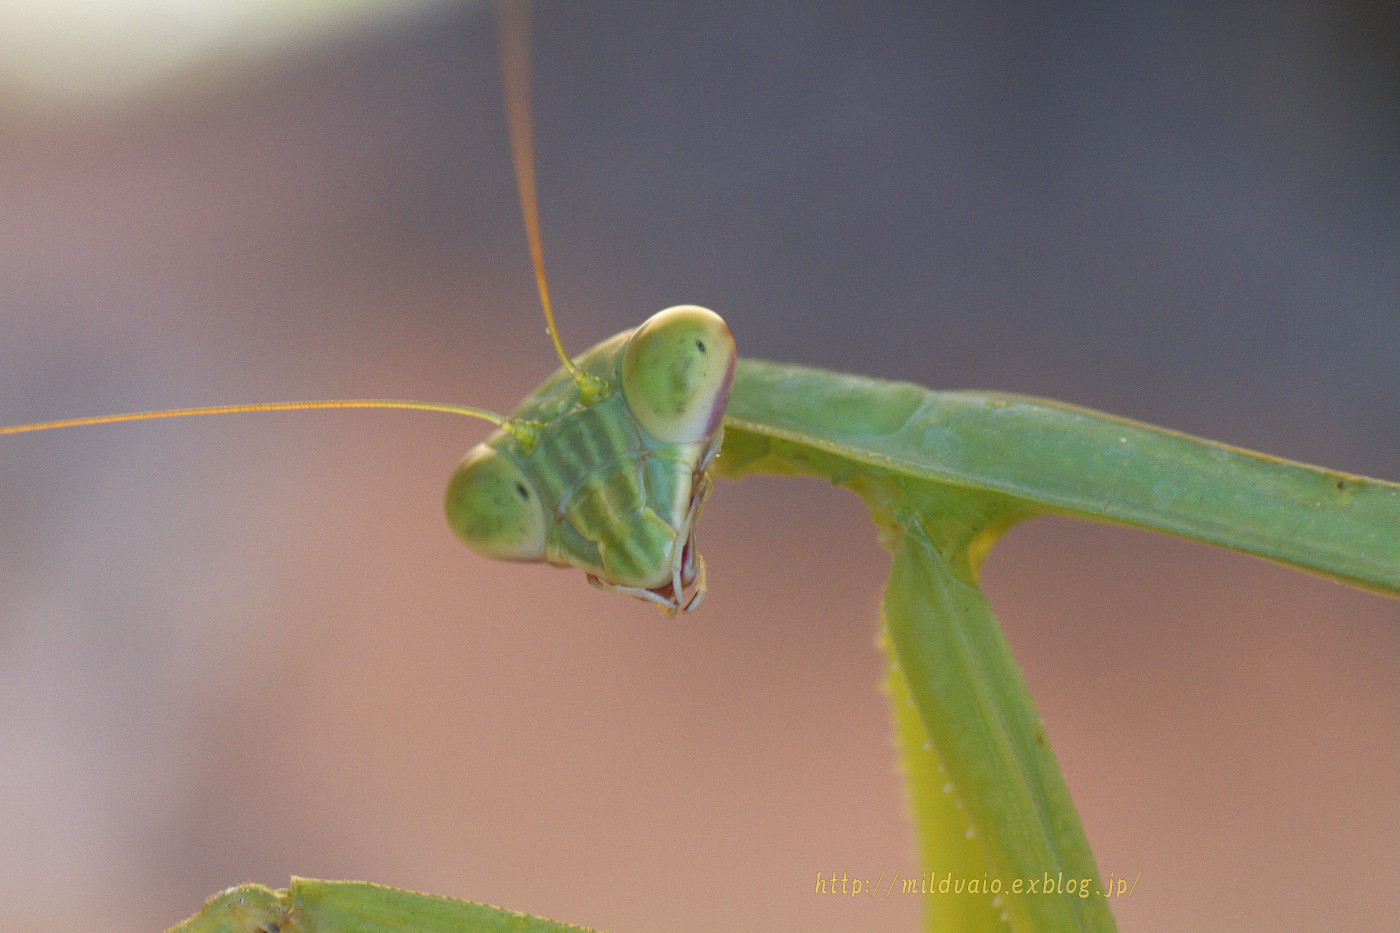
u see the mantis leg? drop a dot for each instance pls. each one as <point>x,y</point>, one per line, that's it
<point>968,692</point>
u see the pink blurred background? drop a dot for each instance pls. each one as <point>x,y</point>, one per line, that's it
<point>242,648</point>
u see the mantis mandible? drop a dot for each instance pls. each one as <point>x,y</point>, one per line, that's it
<point>720,583</point>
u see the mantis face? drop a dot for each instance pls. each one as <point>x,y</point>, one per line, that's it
<point>612,483</point>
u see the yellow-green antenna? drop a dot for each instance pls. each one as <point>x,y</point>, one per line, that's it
<point>513,35</point>
<point>524,430</point>
<point>513,20</point>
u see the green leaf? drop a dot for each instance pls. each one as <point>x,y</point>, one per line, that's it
<point>309,906</point>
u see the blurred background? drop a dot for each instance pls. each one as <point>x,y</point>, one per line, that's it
<point>241,648</point>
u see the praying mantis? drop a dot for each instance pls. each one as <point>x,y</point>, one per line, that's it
<point>795,590</point>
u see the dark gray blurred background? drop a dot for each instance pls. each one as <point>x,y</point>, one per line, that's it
<point>243,648</point>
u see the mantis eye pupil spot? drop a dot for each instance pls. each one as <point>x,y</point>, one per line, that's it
<point>700,345</point>
<point>524,493</point>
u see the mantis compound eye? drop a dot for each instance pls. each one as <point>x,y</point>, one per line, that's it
<point>494,507</point>
<point>676,372</point>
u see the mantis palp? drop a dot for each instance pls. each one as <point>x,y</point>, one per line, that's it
<point>934,377</point>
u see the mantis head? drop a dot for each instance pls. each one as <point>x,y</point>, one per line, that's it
<point>610,481</point>
<point>605,467</point>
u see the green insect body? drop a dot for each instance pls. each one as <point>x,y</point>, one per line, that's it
<point>606,468</point>
<point>612,484</point>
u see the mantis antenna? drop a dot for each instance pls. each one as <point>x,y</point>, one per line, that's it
<point>513,33</point>
<point>522,430</point>
<point>513,36</point>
